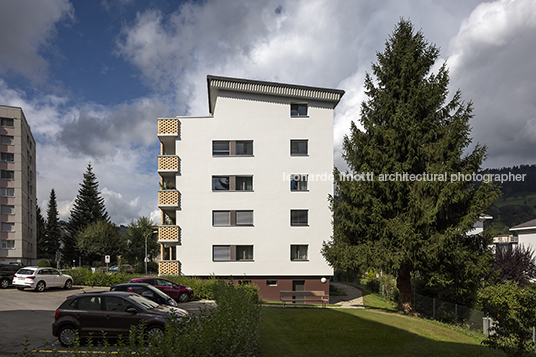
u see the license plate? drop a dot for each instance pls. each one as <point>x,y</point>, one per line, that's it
<point>20,278</point>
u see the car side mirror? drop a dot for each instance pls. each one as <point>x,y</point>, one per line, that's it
<point>131,310</point>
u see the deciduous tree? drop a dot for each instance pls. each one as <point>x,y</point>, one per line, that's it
<point>98,239</point>
<point>413,222</point>
<point>136,233</point>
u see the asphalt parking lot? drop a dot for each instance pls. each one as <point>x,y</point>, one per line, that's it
<point>27,316</point>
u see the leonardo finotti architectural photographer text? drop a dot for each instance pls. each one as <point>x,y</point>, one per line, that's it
<point>407,177</point>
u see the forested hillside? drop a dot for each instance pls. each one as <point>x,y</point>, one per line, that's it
<point>517,203</point>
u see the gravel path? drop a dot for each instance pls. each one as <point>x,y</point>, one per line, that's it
<point>354,299</point>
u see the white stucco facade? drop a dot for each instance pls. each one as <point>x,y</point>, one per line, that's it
<point>265,119</point>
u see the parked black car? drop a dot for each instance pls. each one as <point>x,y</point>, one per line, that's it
<point>109,313</point>
<point>146,290</point>
<point>7,271</point>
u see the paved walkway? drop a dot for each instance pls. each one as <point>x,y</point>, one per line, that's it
<point>353,299</point>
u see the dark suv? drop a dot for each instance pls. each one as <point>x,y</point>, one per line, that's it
<point>7,271</point>
<point>109,313</point>
<point>146,290</point>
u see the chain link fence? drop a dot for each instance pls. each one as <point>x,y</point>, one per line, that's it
<point>448,312</point>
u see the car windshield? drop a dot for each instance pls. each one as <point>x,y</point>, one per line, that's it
<point>25,272</point>
<point>146,303</point>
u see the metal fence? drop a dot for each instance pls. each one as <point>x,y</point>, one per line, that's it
<point>448,312</point>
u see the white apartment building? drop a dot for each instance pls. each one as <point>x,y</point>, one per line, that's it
<point>244,191</point>
<point>18,188</point>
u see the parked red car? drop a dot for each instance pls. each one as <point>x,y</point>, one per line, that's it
<point>178,292</point>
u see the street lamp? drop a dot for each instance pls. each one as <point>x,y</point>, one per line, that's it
<point>146,257</point>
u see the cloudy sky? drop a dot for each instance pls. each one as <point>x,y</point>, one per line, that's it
<point>93,76</point>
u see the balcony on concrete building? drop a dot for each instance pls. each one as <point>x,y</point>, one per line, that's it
<point>169,201</point>
<point>169,267</point>
<point>168,167</point>
<point>169,234</point>
<point>168,134</point>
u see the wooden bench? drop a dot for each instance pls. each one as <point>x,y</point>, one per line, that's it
<point>304,297</point>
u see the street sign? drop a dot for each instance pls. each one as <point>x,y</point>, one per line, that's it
<point>147,259</point>
<point>107,259</point>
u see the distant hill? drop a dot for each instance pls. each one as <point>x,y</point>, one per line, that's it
<point>517,203</point>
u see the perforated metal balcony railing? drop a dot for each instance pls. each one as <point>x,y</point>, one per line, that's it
<point>168,234</point>
<point>169,267</point>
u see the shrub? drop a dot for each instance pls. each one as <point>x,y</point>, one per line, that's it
<point>43,263</point>
<point>229,330</point>
<point>514,310</point>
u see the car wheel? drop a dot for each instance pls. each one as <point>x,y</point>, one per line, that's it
<point>40,286</point>
<point>155,332</point>
<point>20,288</point>
<point>183,297</point>
<point>67,336</point>
<point>68,284</point>
<point>4,284</point>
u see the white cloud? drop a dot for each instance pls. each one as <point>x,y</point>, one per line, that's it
<point>26,28</point>
<point>491,61</point>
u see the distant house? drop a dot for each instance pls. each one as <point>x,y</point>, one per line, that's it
<point>478,227</point>
<point>526,233</point>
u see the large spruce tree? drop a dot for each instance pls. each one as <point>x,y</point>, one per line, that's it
<point>41,234</point>
<point>403,225</point>
<point>53,230</point>
<point>88,208</point>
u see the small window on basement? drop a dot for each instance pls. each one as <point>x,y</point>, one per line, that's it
<point>298,110</point>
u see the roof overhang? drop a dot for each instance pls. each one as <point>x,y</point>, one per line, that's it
<point>215,84</point>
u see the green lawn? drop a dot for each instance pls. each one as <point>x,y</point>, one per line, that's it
<point>360,332</point>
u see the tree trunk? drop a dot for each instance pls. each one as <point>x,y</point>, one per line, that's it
<point>403,283</point>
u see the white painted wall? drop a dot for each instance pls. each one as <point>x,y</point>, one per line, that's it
<point>265,120</point>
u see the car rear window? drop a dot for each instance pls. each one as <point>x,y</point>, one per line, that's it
<point>25,272</point>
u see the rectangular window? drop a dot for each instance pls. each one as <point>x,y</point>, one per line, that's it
<point>8,244</point>
<point>232,148</point>
<point>298,147</point>
<point>8,227</point>
<point>7,122</point>
<point>8,192</point>
<point>232,218</point>
<point>221,183</point>
<point>244,252</point>
<point>298,182</point>
<point>244,218</point>
<point>222,253</point>
<point>7,156</point>
<point>298,252</point>
<point>244,148</point>
<point>299,217</point>
<point>8,209</point>
<point>221,148</point>
<point>221,218</point>
<point>8,174</point>
<point>244,183</point>
<point>271,282</point>
<point>6,139</point>
<point>232,183</point>
<point>298,110</point>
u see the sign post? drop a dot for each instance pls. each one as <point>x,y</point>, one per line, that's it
<point>107,261</point>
